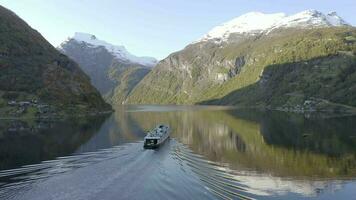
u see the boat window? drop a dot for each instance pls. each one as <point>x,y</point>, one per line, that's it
<point>151,141</point>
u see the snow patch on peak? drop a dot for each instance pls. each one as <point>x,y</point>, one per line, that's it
<point>252,22</point>
<point>335,20</point>
<point>84,36</point>
<point>119,52</point>
<point>257,22</point>
<point>310,18</point>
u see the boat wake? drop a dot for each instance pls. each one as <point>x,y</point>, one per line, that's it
<point>128,171</point>
<point>14,180</point>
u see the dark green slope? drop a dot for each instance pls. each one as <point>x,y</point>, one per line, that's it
<point>31,68</point>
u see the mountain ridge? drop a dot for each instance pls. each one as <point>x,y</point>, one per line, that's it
<point>258,22</point>
<point>208,71</point>
<point>118,51</point>
<point>113,71</point>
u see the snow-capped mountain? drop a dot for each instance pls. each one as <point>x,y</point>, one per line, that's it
<point>112,69</point>
<point>257,22</point>
<point>119,52</point>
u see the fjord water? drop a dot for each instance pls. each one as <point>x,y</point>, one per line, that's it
<point>213,153</point>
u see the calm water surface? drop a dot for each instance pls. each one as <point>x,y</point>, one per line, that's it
<point>213,153</point>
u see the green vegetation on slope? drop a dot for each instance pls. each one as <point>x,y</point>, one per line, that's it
<point>307,85</point>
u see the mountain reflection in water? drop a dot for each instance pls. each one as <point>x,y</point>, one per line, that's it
<point>215,152</point>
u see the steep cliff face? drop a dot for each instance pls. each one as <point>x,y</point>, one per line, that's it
<point>211,69</point>
<point>94,61</point>
<point>112,70</point>
<point>30,68</point>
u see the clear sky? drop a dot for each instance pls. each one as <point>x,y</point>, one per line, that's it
<point>153,27</point>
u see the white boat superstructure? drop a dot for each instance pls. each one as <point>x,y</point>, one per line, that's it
<point>157,136</point>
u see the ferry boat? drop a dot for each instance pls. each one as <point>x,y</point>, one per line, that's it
<point>156,137</point>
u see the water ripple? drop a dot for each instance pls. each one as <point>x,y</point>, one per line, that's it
<point>216,179</point>
<point>21,179</point>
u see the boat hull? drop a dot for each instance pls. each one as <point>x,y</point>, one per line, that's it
<point>156,137</point>
<point>155,146</point>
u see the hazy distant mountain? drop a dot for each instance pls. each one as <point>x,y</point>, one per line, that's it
<point>119,52</point>
<point>32,69</point>
<point>302,61</point>
<point>112,69</point>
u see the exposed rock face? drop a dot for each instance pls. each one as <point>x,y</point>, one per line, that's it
<point>239,63</point>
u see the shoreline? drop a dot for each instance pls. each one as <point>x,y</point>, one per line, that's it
<point>351,111</point>
<point>57,118</point>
